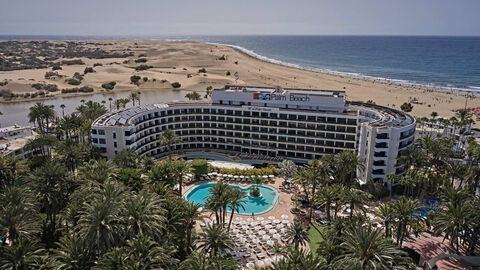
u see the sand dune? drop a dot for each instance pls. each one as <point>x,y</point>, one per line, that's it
<point>174,61</point>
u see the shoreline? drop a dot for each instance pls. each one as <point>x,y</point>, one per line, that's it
<point>341,74</point>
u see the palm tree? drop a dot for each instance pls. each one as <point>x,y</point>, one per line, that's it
<point>71,253</point>
<point>452,216</point>
<point>180,169</point>
<point>18,214</point>
<point>199,261</point>
<point>255,190</point>
<point>53,186</point>
<point>406,213</point>
<point>134,97</point>
<point>387,214</point>
<point>139,253</point>
<point>326,196</point>
<point>214,240</point>
<point>298,234</point>
<point>456,169</point>
<point>191,214</point>
<point>365,248</point>
<point>99,222</point>
<point>91,110</point>
<point>346,165</point>
<point>356,199</point>
<point>169,138</point>
<point>110,103</point>
<point>41,114</point>
<point>299,259</point>
<point>144,215</point>
<point>236,203</point>
<point>26,254</point>
<point>98,170</point>
<point>63,109</point>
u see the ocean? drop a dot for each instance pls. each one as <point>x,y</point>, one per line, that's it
<point>450,63</point>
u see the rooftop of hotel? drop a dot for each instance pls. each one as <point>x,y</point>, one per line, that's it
<point>280,90</point>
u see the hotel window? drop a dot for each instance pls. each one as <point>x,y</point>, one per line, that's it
<point>115,144</point>
<point>114,135</point>
<point>101,132</point>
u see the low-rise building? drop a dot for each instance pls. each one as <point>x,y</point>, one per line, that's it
<point>13,140</point>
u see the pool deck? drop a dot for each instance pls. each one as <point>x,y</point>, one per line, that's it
<point>282,208</point>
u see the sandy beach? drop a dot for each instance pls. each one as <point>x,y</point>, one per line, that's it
<point>181,61</point>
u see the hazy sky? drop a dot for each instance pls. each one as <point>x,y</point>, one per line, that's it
<point>172,17</point>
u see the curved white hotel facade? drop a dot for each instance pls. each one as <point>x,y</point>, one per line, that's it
<point>265,124</point>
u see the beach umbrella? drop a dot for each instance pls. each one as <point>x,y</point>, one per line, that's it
<point>283,230</point>
<point>270,243</point>
<point>257,228</point>
<point>262,232</point>
<point>276,236</point>
<point>276,221</point>
<point>271,217</point>
<point>264,222</point>
<point>260,263</point>
<point>279,226</point>
<point>318,212</point>
<point>256,241</point>
<point>284,216</point>
<point>260,218</point>
<point>249,219</point>
<point>235,231</point>
<point>285,221</point>
<point>268,226</point>
<point>268,261</point>
<point>250,265</point>
<point>254,223</point>
<point>252,236</point>
<point>266,237</point>
<point>272,231</point>
<point>245,227</point>
<point>238,218</point>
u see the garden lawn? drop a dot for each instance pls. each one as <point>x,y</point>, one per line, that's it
<point>315,237</point>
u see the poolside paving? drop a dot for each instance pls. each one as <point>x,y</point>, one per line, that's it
<point>282,208</point>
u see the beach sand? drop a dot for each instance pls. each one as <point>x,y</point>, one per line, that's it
<point>180,61</point>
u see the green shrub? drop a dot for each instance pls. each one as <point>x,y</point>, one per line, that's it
<point>73,81</point>
<point>88,70</point>
<point>141,60</point>
<point>199,166</point>
<point>50,74</point>
<point>78,76</point>
<point>109,85</point>
<point>131,178</point>
<point>56,67</point>
<point>51,87</point>
<point>228,73</point>
<point>145,79</point>
<point>38,86</point>
<point>248,172</point>
<point>134,79</point>
<point>142,67</point>
<point>176,85</point>
<point>97,64</point>
<point>202,70</point>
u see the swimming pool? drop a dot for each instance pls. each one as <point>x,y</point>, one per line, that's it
<point>261,205</point>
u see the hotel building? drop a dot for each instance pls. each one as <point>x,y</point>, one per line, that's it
<point>267,125</point>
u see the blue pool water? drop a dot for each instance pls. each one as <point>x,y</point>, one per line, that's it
<point>257,206</point>
<point>422,211</point>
